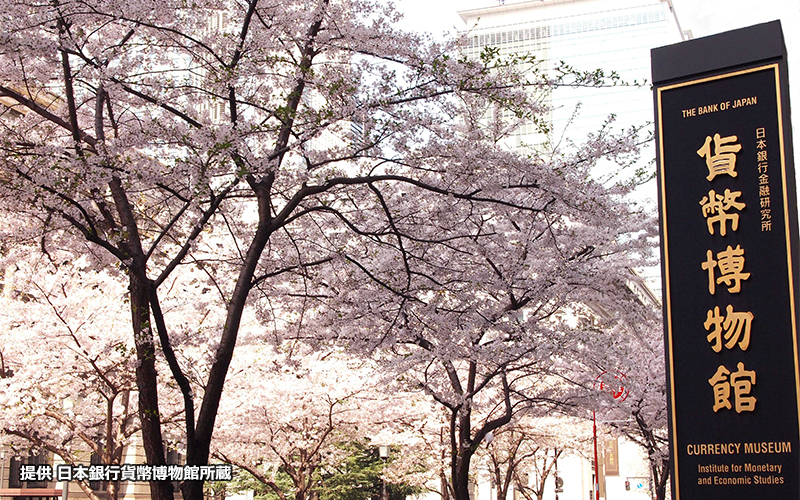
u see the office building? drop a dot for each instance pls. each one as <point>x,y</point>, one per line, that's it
<point>587,35</point>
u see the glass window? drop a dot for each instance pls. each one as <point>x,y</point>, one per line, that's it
<point>97,485</point>
<point>13,476</point>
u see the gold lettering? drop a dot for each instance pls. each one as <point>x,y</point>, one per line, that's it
<point>723,160</point>
<point>768,480</point>
<point>731,264</point>
<point>768,447</point>
<point>722,389</point>
<point>746,101</point>
<point>715,210</point>
<point>736,325</point>
<point>714,449</point>
<point>733,480</point>
<point>711,108</point>
<point>741,381</point>
<point>763,468</point>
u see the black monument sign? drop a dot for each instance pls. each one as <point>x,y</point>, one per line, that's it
<point>729,257</point>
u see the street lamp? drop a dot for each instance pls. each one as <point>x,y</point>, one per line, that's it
<point>558,480</point>
<point>383,452</point>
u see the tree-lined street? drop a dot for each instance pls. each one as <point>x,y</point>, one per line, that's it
<point>240,230</point>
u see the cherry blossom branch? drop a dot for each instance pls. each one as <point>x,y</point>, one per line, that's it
<point>114,388</point>
<point>62,453</point>
<point>90,233</point>
<point>306,191</point>
<point>395,231</point>
<point>172,361</point>
<point>46,114</point>
<point>253,471</point>
<point>301,266</point>
<point>375,234</point>
<point>196,230</point>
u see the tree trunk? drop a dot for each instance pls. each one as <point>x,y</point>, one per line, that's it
<point>461,480</point>
<point>661,479</point>
<point>462,442</point>
<point>445,486</point>
<point>147,384</point>
<point>460,472</point>
<point>112,492</point>
<point>192,489</point>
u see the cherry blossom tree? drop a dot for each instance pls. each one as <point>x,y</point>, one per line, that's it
<point>68,362</point>
<point>524,453</point>
<point>313,162</point>
<point>624,384</point>
<point>301,416</point>
<point>508,321</point>
<point>649,430</point>
<point>642,416</point>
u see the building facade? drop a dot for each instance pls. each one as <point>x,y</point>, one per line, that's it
<point>14,485</point>
<point>587,35</point>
